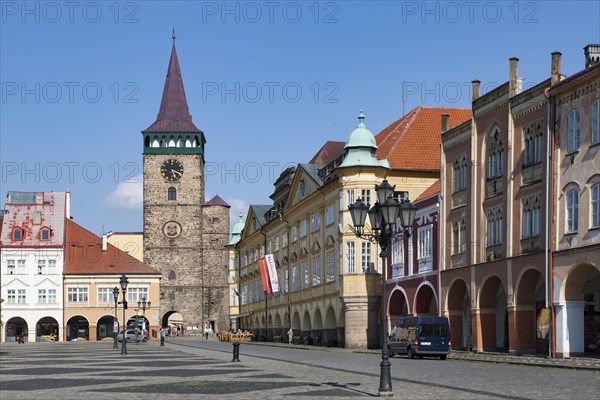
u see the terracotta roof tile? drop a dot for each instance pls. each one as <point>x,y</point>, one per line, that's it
<point>413,142</point>
<point>430,191</point>
<point>84,255</point>
<point>329,152</point>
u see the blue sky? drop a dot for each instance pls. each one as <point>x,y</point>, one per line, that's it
<point>267,82</point>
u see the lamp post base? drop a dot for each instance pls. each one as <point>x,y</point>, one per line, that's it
<point>124,346</point>
<point>385,380</point>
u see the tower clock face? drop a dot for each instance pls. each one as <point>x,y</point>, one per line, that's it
<point>171,170</point>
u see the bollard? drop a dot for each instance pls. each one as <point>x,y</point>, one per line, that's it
<point>236,352</point>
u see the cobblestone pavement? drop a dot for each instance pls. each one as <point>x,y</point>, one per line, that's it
<point>187,368</point>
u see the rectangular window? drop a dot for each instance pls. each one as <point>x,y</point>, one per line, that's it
<point>350,258</point>
<point>329,215</point>
<point>77,295</point>
<point>316,270</point>
<point>45,234</point>
<point>425,248</point>
<point>302,228</point>
<point>573,132</point>
<point>52,267</point>
<point>286,280</point>
<point>538,149</point>
<point>330,266</point>
<point>105,295</point>
<point>136,294</point>
<point>42,296</point>
<point>596,202</point>
<point>294,234</point>
<point>52,296</point>
<point>350,197</point>
<point>366,196</point>
<point>41,267</point>
<point>596,122</point>
<point>490,232</point>
<point>572,211</point>
<point>233,297</point>
<point>11,296</point>
<point>397,257</point>
<point>526,224</point>
<point>284,240</point>
<point>457,179</point>
<point>276,243</point>
<point>21,297</point>
<point>315,222</point>
<point>294,278</point>
<point>536,221</point>
<point>10,267</point>
<point>21,267</point>
<point>244,295</point>
<point>304,274</point>
<point>365,255</point>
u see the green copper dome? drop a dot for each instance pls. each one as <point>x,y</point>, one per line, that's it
<point>361,148</point>
<point>361,136</point>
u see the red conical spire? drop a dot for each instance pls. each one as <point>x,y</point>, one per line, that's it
<point>174,114</point>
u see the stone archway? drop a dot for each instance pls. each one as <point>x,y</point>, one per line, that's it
<point>459,315</point>
<point>14,327</point>
<point>398,306</point>
<point>78,328</point>
<point>306,328</point>
<point>278,327</point>
<point>317,329</point>
<point>582,308</point>
<point>105,327</point>
<point>330,328</point>
<point>530,337</point>
<point>426,302</point>
<point>46,329</point>
<point>493,316</point>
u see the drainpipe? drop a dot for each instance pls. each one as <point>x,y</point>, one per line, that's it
<point>549,287</point>
<point>266,295</point>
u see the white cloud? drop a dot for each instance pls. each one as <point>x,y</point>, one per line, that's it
<point>128,194</point>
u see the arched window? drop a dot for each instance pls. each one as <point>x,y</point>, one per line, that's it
<point>147,141</point>
<point>172,195</point>
<point>495,160</point>
<point>573,133</point>
<point>572,210</point>
<point>172,275</point>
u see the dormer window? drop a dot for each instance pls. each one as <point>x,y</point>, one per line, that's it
<point>45,234</point>
<point>17,234</point>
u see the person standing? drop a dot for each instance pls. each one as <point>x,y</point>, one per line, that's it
<point>290,335</point>
<point>163,333</point>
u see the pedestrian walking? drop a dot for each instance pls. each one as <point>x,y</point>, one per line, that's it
<point>163,333</point>
<point>290,335</point>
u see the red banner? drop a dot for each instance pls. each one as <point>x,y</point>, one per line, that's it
<point>264,275</point>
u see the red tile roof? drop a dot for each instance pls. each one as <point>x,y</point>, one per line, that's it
<point>45,210</point>
<point>430,191</point>
<point>329,152</point>
<point>174,114</point>
<point>84,255</point>
<point>217,201</point>
<point>413,142</point>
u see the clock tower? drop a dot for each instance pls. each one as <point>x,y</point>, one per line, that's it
<point>182,232</point>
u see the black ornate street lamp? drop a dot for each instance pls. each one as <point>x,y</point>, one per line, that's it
<point>383,216</point>
<point>115,323</point>
<point>143,304</point>
<point>124,282</point>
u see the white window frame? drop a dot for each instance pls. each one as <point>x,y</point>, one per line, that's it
<point>365,195</point>
<point>21,267</point>
<point>21,296</point>
<point>365,257</point>
<point>425,248</point>
<point>572,211</point>
<point>11,266</point>
<point>596,122</point>
<point>397,257</point>
<point>105,295</point>
<point>52,299</point>
<point>351,257</point>
<point>315,222</point>
<point>329,214</point>
<point>305,276</point>
<point>330,266</point>
<point>77,295</point>
<point>135,294</point>
<point>294,278</point>
<point>573,131</point>
<point>595,204</point>
<point>316,270</point>
<point>42,296</point>
<point>41,267</point>
<point>11,296</point>
<point>350,198</point>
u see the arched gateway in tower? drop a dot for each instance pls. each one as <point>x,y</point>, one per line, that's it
<point>184,236</point>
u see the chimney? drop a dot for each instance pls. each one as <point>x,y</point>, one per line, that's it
<point>475,85</point>
<point>445,119</point>
<point>555,68</point>
<point>513,82</point>
<point>592,54</point>
<point>105,240</point>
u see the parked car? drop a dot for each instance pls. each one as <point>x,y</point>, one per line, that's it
<point>420,336</point>
<point>131,336</point>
